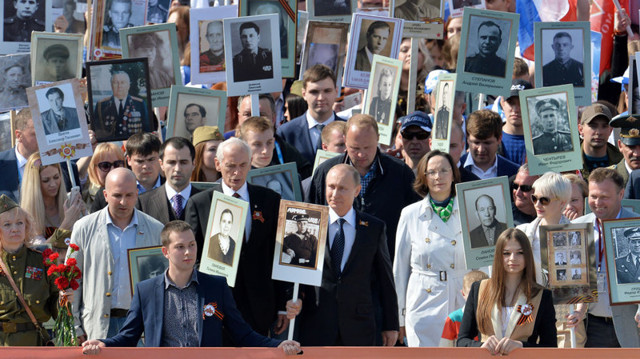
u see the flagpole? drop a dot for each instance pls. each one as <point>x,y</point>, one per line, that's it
<point>617,4</point>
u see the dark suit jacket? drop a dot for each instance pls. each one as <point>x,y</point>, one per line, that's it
<point>362,60</point>
<point>478,238</point>
<point>147,315</point>
<point>156,204</point>
<point>343,306</point>
<point>257,295</point>
<point>505,167</point>
<point>296,133</point>
<point>215,252</point>
<point>633,185</point>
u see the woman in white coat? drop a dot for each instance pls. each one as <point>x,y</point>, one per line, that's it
<point>429,261</point>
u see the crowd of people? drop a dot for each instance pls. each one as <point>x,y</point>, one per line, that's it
<point>394,265</point>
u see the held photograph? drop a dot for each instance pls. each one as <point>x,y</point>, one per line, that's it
<point>332,10</point>
<point>283,179</point>
<point>325,44</point>
<point>382,95</point>
<point>58,57</point>
<point>423,18</point>
<point>622,242</point>
<point>20,19</point>
<point>457,6</point>
<point>145,263</point>
<point>109,18</point>
<point>445,93</point>
<point>190,108</point>
<point>15,74</point>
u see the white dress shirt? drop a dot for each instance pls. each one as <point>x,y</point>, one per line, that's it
<point>22,161</point>
<point>314,132</point>
<point>244,195</point>
<point>349,228</point>
<point>185,193</point>
<point>491,172</point>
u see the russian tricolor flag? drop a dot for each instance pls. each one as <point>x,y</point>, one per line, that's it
<point>540,10</point>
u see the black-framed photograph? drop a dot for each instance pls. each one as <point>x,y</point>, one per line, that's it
<point>119,98</point>
<point>283,179</point>
<point>16,77</point>
<point>331,10</point>
<point>190,108</point>
<point>252,54</point>
<point>457,6</point>
<point>622,242</point>
<point>109,17</point>
<point>325,44</point>
<point>56,57</point>
<point>145,263</point>
<point>300,242</point>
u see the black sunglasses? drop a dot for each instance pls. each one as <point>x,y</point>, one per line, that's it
<point>411,135</point>
<point>543,200</point>
<point>106,166</point>
<point>523,187</point>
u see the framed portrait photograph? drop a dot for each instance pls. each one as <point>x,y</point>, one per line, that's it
<point>286,11</point>
<point>20,18</point>
<point>157,11</point>
<point>224,237</point>
<point>331,10</point>
<point>563,56</point>
<point>370,35</point>
<point>423,18</point>
<point>16,77</point>
<point>59,120</point>
<point>321,156</point>
<point>622,242</point>
<point>109,18</point>
<point>634,89</point>
<point>487,51</point>
<point>191,107</point>
<point>6,140</point>
<point>155,42</point>
<point>119,98</point>
<point>283,179</point>
<point>457,6</point>
<point>550,134</point>
<point>252,54</point>
<point>58,57</point>
<point>445,94</point>
<point>67,16</point>
<point>145,263</point>
<point>325,44</point>
<point>382,95</point>
<point>207,40</point>
<point>300,242</point>
<point>484,215</point>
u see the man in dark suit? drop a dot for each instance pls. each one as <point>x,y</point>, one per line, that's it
<point>167,202</point>
<point>58,118</point>
<point>377,36</point>
<point>206,299</point>
<point>258,296</point>
<point>341,311</point>
<point>487,233</point>
<point>304,132</point>
<point>628,267</point>
<point>221,246</point>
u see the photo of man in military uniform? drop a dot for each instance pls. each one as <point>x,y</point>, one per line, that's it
<point>157,11</point>
<point>119,16</point>
<point>300,247</point>
<point>377,37</point>
<point>15,80</point>
<point>380,106</point>
<point>442,116</point>
<point>252,62</point>
<point>67,22</point>
<point>486,61</point>
<point>563,69</point>
<point>18,27</point>
<point>58,118</point>
<point>552,139</point>
<point>628,267</point>
<point>416,10</point>
<point>150,45</point>
<point>212,60</point>
<point>56,64</point>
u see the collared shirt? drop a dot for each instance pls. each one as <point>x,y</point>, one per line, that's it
<point>602,308</point>
<point>491,172</point>
<point>349,228</point>
<point>180,330</point>
<point>22,161</point>
<point>368,177</point>
<point>141,188</point>
<point>121,241</point>
<point>185,193</point>
<point>244,195</point>
<point>626,165</point>
<point>314,131</point>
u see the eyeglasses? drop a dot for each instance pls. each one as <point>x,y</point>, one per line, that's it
<point>523,187</point>
<point>423,135</point>
<point>543,200</point>
<point>106,166</point>
<point>442,172</point>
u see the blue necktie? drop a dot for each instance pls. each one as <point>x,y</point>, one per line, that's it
<point>337,249</point>
<point>177,205</point>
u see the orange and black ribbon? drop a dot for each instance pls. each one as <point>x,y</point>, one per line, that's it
<point>525,318</point>
<point>288,9</point>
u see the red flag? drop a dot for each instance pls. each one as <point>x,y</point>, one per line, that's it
<point>602,21</point>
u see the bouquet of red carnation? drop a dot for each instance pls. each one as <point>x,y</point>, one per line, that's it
<point>67,276</point>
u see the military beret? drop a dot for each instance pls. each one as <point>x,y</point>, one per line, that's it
<point>547,104</point>
<point>629,129</point>
<point>300,217</point>
<point>6,204</point>
<point>632,234</point>
<point>206,133</point>
<point>56,50</point>
<point>594,111</point>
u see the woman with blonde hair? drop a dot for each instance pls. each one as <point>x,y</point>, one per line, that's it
<point>106,157</point>
<point>43,196</point>
<point>509,310</point>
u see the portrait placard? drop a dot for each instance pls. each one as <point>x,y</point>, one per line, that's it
<point>60,122</point>
<point>300,242</point>
<point>155,42</point>
<point>252,55</point>
<point>423,18</point>
<point>283,179</point>
<point>225,236</point>
<point>568,262</point>
<point>333,11</point>
<point>370,35</point>
<point>119,98</point>
<point>109,18</point>
<point>487,51</point>
<point>286,11</point>
<point>58,57</point>
<point>634,89</point>
<point>445,95</point>
<point>325,44</point>
<point>157,11</point>
<point>20,18</point>
<point>382,95</point>
<point>484,214</point>
<point>457,6</point>
<point>550,133</point>
<point>145,263</point>
<point>622,248</point>
<point>66,16</point>
<point>563,56</point>
<point>321,156</point>
<point>192,107</point>
<point>207,40</point>
<point>5,131</point>
<point>15,74</point>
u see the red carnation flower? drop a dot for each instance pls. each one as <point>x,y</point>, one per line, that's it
<point>62,283</point>
<point>72,262</point>
<point>74,247</point>
<point>53,257</point>
<point>47,252</point>
<point>74,284</point>
<point>51,270</point>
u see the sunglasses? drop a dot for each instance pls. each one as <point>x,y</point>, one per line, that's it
<point>523,187</point>
<point>543,200</point>
<point>106,166</point>
<point>417,135</point>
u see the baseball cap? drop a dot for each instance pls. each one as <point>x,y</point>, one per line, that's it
<point>594,111</point>
<point>518,85</point>
<point>417,118</point>
<point>432,80</point>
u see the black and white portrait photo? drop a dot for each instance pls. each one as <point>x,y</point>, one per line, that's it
<point>575,238</point>
<point>71,20</point>
<point>628,258</point>
<point>563,57</point>
<point>376,41</point>
<point>57,63</point>
<point>56,117</point>
<point>561,258</point>
<point>281,182</point>
<point>490,227</point>
<point>559,239</point>
<point>150,266</point>
<point>323,54</point>
<point>561,274</point>
<point>443,109</point>
<point>5,131</point>
<point>154,46</point>
<point>486,46</point>
<point>206,40</point>
<point>332,7</point>
<point>549,117</point>
<point>21,17</point>
<point>264,7</point>
<point>417,10</point>
<point>222,245</point>
<point>576,273</point>
<point>117,16</point>
<point>254,60</point>
<point>380,107</point>
<point>325,43</point>
<point>157,11</point>
<point>212,46</point>
<point>15,77</point>
<point>576,258</point>
<point>300,245</point>
<point>193,108</point>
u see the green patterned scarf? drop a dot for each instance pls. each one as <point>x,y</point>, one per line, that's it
<point>443,211</point>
